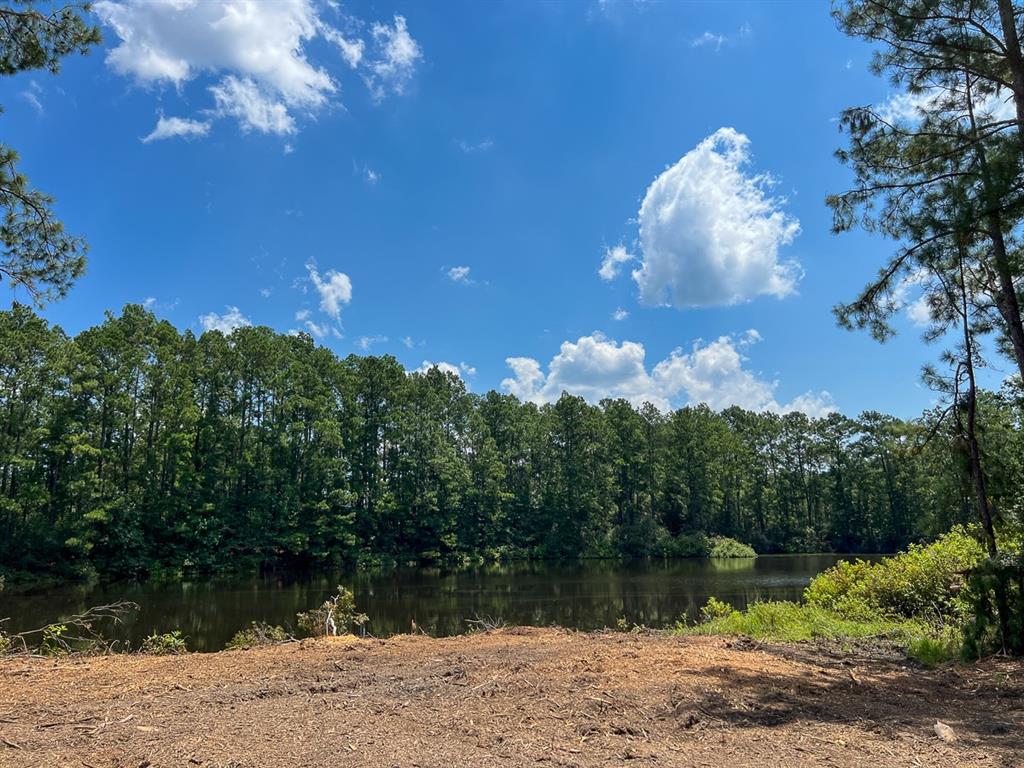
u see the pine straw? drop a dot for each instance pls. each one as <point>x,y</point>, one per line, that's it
<point>515,697</point>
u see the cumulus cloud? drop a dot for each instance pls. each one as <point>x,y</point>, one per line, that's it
<point>226,323</point>
<point>258,53</point>
<point>334,288</point>
<point>180,127</point>
<point>710,233</point>
<point>595,367</point>
<point>620,314</point>
<point>611,264</point>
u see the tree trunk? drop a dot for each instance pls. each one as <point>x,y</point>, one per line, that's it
<point>1015,59</point>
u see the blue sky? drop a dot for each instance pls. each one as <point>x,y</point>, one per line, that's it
<point>443,182</point>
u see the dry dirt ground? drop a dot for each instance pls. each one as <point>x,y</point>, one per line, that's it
<point>516,697</point>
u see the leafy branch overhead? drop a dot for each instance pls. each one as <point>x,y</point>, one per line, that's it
<point>35,252</point>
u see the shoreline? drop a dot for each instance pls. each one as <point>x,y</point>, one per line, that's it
<point>516,696</point>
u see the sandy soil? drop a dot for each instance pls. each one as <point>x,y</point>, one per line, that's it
<point>517,697</point>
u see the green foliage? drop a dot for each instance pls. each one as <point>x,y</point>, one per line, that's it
<point>992,581</point>
<point>259,633</point>
<point>925,582</point>
<point>133,450</point>
<point>53,641</point>
<point>792,622</point>
<point>34,38</point>
<point>933,651</point>
<point>35,251</point>
<point>715,609</point>
<point>336,616</point>
<point>167,644</point>
<point>724,547</point>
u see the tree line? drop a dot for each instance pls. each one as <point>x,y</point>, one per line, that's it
<point>133,449</point>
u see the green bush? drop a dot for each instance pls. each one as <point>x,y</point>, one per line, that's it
<point>336,616</point>
<point>259,633</point>
<point>167,644</point>
<point>723,546</point>
<point>932,651</point>
<point>715,609</point>
<point>925,582</point>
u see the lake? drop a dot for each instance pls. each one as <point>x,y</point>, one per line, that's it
<point>589,594</point>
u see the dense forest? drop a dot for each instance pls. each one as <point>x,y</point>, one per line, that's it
<point>133,449</point>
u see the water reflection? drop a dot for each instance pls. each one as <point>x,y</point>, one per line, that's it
<point>583,595</point>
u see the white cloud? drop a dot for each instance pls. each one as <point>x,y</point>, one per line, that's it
<point>595,367</point>
<point>459,275</point>
<point>351,50</point>
<point>258,47</point>
<point>335,290</point>
<point>259,53</point>
<point>612,262</point>
<point>255,110</point>
<point>620,314</point>
<point>913,107</point>
<point>462,370</point>
<point>408,342</point>
<point>265,292</point>
<point>710,39</point>
<point>710,233</point>
<point>320,330</point>
<point>225,323</point>
<point>171,127</point>
<point>717,39</point>
<point>395,61</point>
<point>372,177</point>
<point>919,311</point>
<point>33,101</point>
<point>365,342</point>
<point>472,148</point>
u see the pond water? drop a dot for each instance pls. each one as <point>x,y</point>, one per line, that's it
<point>583,595</point>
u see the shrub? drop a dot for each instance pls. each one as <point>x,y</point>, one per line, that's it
<point>925,582</point>
<point>932,651</point>
<point>167,644</point>
<point>715,609</point>
<point>259,633</point>
<point>337,615</point>
<point>53,642</point>
<point>723,546</point>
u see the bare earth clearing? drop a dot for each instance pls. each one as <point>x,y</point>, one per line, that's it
<point>521,697</point>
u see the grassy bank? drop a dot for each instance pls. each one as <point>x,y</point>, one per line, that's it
<point>917,600</point>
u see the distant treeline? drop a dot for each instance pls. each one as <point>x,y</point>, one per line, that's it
<point>134,449</point>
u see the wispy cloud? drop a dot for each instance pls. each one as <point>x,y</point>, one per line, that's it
<point>718,40</point>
